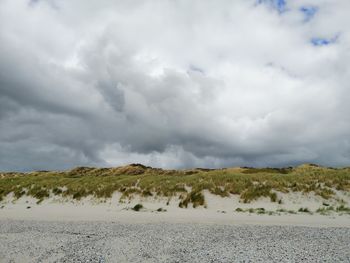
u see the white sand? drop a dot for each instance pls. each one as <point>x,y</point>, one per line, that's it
<point>218,210</point>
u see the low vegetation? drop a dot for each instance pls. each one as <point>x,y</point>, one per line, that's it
<point>137,179</point>
<point>262,211</point>
<point>137,207</point>
<point>326,210</point>
<point>304,210</point>
<point>343,209</point>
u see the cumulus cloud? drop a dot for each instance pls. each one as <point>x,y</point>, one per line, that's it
<point>174,84</point>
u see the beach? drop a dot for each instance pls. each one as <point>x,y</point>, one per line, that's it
<point>297,227</point>
<point>101,241</point>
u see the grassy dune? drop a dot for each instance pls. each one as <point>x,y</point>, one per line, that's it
<point>136,179</point>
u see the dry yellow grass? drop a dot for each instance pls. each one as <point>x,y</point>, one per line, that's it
<point>136,179</point>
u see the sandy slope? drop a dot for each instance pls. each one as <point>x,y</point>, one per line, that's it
<point>218,211</point>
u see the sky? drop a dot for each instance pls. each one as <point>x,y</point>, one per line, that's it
<point>174,83</point>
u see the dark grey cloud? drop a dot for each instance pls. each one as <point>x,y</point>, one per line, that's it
<point>172,84</point>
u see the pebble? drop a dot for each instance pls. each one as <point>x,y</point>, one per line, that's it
<point>34,241</point>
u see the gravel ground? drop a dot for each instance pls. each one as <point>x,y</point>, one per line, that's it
<point>29,241</point>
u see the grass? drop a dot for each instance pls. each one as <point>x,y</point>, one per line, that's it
<point>259,211</point>
<point>279,211</point>
<point>343,209</point>
<point>304,210</point>
<point>139,180</point>
<point>325,210</point>
<point>194,197</point>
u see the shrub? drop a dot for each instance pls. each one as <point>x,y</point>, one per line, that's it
<point>137,207</point>
<point>260,210</point>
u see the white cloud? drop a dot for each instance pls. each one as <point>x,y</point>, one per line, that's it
<point>173,83</point>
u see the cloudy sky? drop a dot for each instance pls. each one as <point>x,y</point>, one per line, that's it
<point>174,83</point>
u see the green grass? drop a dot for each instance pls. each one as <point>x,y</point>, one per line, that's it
<point>138,180</point>
<point>325,210</point>
<point>343,209</point>
<point>259,211</point>
<point>304,210</point>
<point>194,197</point>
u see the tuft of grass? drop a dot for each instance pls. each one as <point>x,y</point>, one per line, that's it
<point>137,207</point>
<point>39,193</point>
<point>57,191</point>
<point>282,210</point>
<point>161,209</point>
<point>273,197</point>
<point>325,193</point>
<point>194,197</point>
<point>146,193</point>
<point>18,193</point>
<point>238,209</point>
<point>304,210</point>
<point>343,208</point>
<point>260,210</point>
<point>325,210</point>
<point>256,191</point>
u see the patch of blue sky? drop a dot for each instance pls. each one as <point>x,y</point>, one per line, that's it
<point>319,41</point>
<point>309,12</point>
<point>279,5</point>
